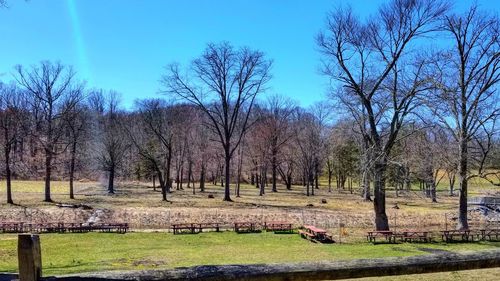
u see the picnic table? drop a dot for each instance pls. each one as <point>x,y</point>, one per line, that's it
<point>451,235</point>
<point>111,227</point>
<point>489,233</point>
<point>415,235</point>
<point>11,227</point>
<point>389,236</point>
<point>280,226</point>
<point>215,226</point>
<point>192,228</point>
<point>313,233</point>
<point>61,227</point>
<point>180,228</point>
<point>245,227</point>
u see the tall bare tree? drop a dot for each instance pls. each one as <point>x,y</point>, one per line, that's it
<point>112,144</point>
<point>77,124</point>
<point>53,93</point>
<point>223,83</point>
<point>468,99</point>
<point>365,58</point>
<point>13,126</point>
<point>277,116</point>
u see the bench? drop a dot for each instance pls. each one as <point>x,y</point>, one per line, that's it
<point>415,236</point>
<point>245,227</point>
<point>110,227</point>
<point>457,235</point>
<point>487,234</point>
<point>388,235</point>
<point>210,226</point>
<point>11,227</point>
<point>278,227</point>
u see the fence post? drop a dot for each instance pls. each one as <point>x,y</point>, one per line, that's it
<point>29,256</point>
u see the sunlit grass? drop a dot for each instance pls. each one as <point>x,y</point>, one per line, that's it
<point>70,253</point>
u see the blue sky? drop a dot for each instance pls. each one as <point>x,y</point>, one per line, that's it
<point>124,45</point>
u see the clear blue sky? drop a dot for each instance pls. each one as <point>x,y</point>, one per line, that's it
<point>124,45</point>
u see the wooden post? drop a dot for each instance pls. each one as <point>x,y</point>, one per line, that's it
<point>30,258</point>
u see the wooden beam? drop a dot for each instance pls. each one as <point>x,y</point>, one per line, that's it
<point>30,258</point>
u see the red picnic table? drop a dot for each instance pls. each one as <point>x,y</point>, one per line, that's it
<point>315,233</point>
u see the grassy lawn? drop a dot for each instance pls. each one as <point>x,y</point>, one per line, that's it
<point>71,253</point>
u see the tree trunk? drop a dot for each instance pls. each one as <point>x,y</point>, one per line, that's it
<point>462,176</point>
<point>111,180</point>
<point>330,173</point>
<point>181,179</point>
<point>8,175</point>
<point>202,178</point>
<point>190,174</point>
<point>227,162</point>
<point>72,170</point>
<point>162,185</point>
<point>168,180</point>
<point>48,172</point>
<point>262,182</point>
<point>433,191</point>
<point>273,172</point>
<point>307,187</point>
<point>289,182</point>
<point>381,221</point>
<point>154,183</point>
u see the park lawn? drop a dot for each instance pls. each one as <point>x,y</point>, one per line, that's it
<point>73,253</point>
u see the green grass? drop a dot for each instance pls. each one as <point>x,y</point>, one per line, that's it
<point>72,253</point>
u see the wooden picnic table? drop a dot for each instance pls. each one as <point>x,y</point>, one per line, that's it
<point>278,226</point>
<point>209,225</point>
<point>11,227</point>
<point>489,233</point>
<point>179,228</point>
<point>389,235</point>
<point>242,227</point>
<point>110,227</point>
<point>415,235</point>
<point>315,233</point>
<point>449,235</point>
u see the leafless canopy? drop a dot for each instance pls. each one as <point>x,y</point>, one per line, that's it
<point>223,83</point>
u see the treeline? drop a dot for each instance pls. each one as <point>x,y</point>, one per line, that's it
<point>397,114</point>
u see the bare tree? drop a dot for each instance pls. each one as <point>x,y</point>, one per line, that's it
<point>468,100</point>
<point>53,93</point>
<point>223,83</point>
<point>276,116</point>
<point>365,59</point>
<point>147,143</point>
<point>13,126</point>
<point>77,124</point>
<point>112,144</point>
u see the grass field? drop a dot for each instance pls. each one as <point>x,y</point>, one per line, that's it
<point>139,205</point>
<point>71,253</point>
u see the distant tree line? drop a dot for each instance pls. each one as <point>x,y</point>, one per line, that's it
<point>398,114</point>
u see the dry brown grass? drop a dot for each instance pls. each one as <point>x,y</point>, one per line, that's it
<point>138,204</point>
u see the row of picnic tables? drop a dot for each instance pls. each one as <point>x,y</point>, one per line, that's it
<point>426,236</point>
<point>239,227</point>
<point>61,227</point>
